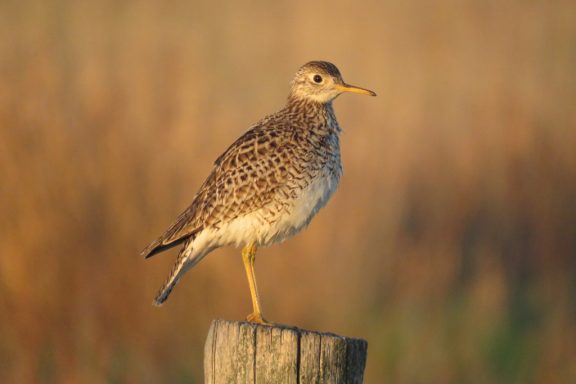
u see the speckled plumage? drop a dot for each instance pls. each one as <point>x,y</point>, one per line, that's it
<point>270,182</point>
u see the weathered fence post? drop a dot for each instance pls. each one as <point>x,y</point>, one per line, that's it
<point>241,352</point>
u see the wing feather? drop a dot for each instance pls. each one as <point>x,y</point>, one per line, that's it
<point>243,179</point>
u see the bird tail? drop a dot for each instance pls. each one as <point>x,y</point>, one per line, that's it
<point>175,274</point>
<point>184,262</point>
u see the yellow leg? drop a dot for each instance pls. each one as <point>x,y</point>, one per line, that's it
<point>249,256</point>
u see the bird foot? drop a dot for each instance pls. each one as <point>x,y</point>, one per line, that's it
<point>257,318</point>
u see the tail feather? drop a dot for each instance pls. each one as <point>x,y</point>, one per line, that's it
<point>164,293</point>
<point>186,259</point>
<point>175,274</point>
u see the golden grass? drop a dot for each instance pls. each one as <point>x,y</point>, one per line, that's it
<point>449,246</point>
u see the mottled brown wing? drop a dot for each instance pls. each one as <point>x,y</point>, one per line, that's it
<point>184,227</point>
<point>245,178</point>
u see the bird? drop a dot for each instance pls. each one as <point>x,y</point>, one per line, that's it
<point>268,185</point>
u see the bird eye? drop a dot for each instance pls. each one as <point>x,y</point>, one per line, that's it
<point>317,79</point>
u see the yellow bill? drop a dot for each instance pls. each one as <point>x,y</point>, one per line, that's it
<point>354,89</point>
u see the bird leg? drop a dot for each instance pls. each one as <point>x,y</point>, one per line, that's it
<point>249,256</point>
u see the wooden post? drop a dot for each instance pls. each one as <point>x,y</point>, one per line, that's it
<point>241,352</point>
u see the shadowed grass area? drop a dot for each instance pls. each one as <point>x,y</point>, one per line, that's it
<point>449,245</point>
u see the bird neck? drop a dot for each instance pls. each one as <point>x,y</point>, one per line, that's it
<point>318,116</point>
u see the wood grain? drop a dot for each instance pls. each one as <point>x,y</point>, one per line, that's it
<point>242,352</point>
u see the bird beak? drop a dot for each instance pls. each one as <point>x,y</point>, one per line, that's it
<point>351,88</point>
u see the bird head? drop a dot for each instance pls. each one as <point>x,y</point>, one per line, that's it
<point>321,82</point>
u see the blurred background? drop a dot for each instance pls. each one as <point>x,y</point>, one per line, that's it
<point>450,245</point>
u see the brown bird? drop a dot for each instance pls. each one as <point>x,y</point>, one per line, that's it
<point>268,184</point>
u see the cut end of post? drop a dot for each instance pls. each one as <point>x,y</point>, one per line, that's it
<point>238,351</point>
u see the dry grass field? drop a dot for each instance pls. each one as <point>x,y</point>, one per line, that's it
<point>450,245</point>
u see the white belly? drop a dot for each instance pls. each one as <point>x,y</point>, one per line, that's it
<point>305,207</point>
<point>255,227</point>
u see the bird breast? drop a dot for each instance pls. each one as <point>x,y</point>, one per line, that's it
<point>278,222</point>
<point>289,213</point>
<point>308,203</point>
